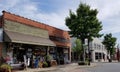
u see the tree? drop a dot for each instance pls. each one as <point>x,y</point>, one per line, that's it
<point>84,24</point>
<point>109,43</point>
<point>78,48</point>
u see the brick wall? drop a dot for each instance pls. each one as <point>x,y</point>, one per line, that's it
<point>52,30</point>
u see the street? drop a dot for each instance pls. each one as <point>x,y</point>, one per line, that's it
<point>100,67</point>
<point>105,67</point>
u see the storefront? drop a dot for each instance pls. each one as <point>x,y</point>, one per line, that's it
<point>24,43</point>
<point>17,52</point>
<point>25,38</point>
<point>20,45</point>
<point>62,55</point>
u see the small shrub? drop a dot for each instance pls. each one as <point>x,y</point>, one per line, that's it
<point>45,64</point>
<point>82,63</point>
<point>48,58</point>
<point>2,61</point>
<point>6,67</point>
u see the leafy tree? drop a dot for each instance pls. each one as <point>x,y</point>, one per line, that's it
<point>109,43</point>
<point>78,48</point>
<point>84,23</point>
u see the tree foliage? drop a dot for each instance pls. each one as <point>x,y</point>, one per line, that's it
<point>109,43</point>
<point>78,47</point>
<point>84,23</point>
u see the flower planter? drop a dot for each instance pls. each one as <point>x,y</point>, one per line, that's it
<point>82,63</point>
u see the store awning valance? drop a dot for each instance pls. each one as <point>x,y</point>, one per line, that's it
<point>60,44</point>
<point>26,39</point>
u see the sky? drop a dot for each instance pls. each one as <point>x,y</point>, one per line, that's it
<point>54,12</point>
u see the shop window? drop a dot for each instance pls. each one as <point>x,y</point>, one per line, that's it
<point>40,51</point>
<point>100,55</point>
<point>96,56</point>
<point>60,39</point>
<point>51,50</point>
<point>18,54</point>
<point>65,50</point>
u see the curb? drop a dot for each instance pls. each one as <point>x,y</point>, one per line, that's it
<point>64,67</point>
<point>38,69</point>
<point>87,66</point>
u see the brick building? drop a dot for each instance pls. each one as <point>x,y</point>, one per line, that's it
<point>21,36</point>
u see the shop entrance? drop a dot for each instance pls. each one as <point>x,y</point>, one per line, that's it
<point>28,52</point>
<point>18,55</point>
<point>60,55</point>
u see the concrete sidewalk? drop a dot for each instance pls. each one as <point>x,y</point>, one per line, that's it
<point>65,68</point>
<point>74,66</point>
<point>38,69</point>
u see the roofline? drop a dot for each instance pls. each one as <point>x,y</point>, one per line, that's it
<point>31,20</point>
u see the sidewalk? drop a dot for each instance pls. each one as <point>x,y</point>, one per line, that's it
<point>67,67</point>
<point>37,69</point>
<point>74,66</point>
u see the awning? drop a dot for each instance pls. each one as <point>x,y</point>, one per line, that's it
<point>26,39</point>
<point>60,44</point>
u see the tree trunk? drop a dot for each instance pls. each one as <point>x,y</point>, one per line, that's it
<point>78,57</point>
<point>110,57</point>
<point>83,42</point>
<point>88,52</point>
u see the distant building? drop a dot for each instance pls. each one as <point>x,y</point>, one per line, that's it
<point>116,55</point>
<point>98,51</point>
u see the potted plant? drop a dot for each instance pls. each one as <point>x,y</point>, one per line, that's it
<point>5,68</point>
<point>86,62</point>
<point>45,64</point>
<point>81,63</point>
<point>48,60</point>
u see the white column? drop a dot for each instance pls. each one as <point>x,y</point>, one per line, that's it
<point>69,53</point>
<point>93,56</point>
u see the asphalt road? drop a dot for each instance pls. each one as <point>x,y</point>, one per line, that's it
<point>100,67</point>
<point>104,67</point>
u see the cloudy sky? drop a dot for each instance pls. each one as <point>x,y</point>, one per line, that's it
<point>53,12</point>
